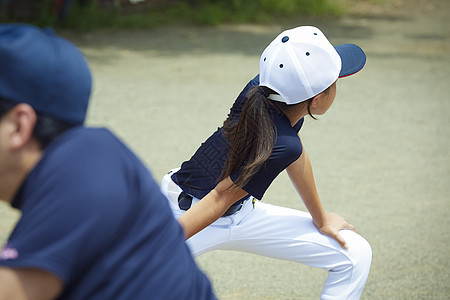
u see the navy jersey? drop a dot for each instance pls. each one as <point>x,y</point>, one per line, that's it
<point>93,215</point>
<point>199,175</point>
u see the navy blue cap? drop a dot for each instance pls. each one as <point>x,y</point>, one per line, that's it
<point>353,59</point>
<point>47,72</point>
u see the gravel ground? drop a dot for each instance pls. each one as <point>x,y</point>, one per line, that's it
<point>378,155</point>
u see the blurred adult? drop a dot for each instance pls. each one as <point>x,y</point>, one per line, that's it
<point>94,223</point>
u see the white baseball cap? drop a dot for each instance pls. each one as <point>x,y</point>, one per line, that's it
<point>300,63</point>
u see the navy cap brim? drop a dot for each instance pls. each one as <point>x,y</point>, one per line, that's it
<point>353,59</point>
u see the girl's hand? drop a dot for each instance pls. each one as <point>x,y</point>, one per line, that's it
<point>330,226</point>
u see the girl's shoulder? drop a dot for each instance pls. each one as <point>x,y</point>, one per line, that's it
<point>288,146</point>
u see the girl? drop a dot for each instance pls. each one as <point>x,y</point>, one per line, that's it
<point>213,194</point>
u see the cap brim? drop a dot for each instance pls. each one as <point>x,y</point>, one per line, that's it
<point>353,59</point>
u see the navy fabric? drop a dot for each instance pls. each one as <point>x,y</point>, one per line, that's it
<point>353,59</point>
<point>93,215</point>
<point>199,175</point>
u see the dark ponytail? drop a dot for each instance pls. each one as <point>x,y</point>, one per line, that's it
<point>251,138</point>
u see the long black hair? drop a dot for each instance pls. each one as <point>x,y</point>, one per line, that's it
<point>252,137</point>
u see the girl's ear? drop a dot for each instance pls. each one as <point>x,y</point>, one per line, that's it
<point>315,100</point>
<point>21,121</point>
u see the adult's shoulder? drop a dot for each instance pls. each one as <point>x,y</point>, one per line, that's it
<point>80,137</point>
<point>90,157</point>
<point>83,172</point>
<point>85,144</point>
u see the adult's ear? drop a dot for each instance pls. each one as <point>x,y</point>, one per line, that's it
<point>21,121</point>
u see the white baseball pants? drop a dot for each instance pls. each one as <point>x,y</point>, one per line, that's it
<point>287,234</point>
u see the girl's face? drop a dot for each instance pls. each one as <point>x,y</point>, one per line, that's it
<point>323,101</point>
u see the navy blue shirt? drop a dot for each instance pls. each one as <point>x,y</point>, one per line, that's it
<point>93,215</point>
<point>199,175</point>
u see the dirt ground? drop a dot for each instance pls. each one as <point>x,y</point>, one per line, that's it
<point>380,155</point>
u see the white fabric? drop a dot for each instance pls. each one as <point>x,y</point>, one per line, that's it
<point>299,64</point>
<point>287,234</point>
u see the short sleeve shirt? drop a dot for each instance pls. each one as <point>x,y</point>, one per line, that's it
<point>200,174</point>
<point>93,215</point>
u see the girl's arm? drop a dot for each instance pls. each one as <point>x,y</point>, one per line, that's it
<point>211,207</point>
<point>301,175</point>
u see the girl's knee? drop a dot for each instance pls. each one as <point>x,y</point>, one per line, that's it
<point>359,250</point>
